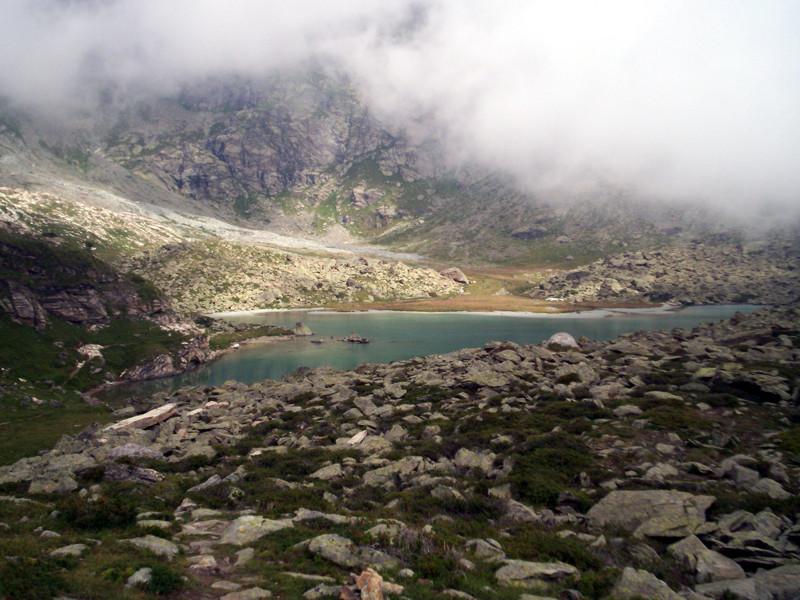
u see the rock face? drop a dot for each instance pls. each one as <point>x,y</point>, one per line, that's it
<point>69,284</point>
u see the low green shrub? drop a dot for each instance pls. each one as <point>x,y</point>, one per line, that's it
<point>595,585</point>
<point>105,512</point>
<point>30,579</point>
<point>528,543</point>
<point>790,443</point>
<point>163,580</point>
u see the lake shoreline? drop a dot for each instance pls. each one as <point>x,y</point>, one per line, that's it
<point>394,338</point>
<point>577,313</point>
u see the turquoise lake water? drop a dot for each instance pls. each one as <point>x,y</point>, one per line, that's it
<point>401,335</point>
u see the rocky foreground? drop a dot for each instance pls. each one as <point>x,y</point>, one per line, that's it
<point>766,272</point>
<point>658,465</point>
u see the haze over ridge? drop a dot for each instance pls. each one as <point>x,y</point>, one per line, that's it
<point>681,100</point>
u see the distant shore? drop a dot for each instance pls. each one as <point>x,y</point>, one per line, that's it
<point>587,312</point>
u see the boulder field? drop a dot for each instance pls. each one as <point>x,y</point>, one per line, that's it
<point>656,465</point>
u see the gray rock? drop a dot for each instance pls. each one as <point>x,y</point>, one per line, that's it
<point>134,451</point>
<point>660,513</point>
<point>468,459</point>
<point>741,589</point>
<point>771,488</point>
<point>782,583</point>
<point>166,525</point>
<point>322,590</point>
<point>708,565</point>
<point>156,545</point>
<point>525,573</point>
<point>627,410</point>
<point>244,556</point>
<point>489,550</point>
<point>141,577</point>
<point>562,338</point>
<point>56,483</point>
<point>249,528</point>
<point>148,419</point>
<point>335,548</point>
<point>660,472</point>
<point>72,550</point>
<point>255,593</point>
<point>328,473</point>
<point>212,481</point>
<point>636,583</point>
<point>301,329</point>
<point>396,434</point>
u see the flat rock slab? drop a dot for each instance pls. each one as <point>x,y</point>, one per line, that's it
<point>525,573</point>
<point>148,419</point>
<point>249,528</point>
<point>156,545</point>
<point>255,593</point>
<point>73,550</point>
<point>655,513</point>
<point>213,527</point>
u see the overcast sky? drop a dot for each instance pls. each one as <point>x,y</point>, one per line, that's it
<point>688,100</point>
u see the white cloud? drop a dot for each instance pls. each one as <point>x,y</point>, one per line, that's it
<point>684,99</point>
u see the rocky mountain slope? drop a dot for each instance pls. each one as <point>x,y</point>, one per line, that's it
<point>74,301</point>
<point>219,277</point>
<point>301,155</point>
<point>205,266</point>
<point>657,465</point>
<point>717,271</point>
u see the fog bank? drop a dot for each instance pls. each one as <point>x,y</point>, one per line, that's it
<point>678,100</point>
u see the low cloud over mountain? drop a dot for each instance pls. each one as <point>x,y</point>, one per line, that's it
<point>679,100</point>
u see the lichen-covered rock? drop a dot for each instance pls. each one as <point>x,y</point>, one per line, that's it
<point>249,528</point>
<point>335,548</point>
<point>532,574</point>
<point>255,593</point>
<point>71,550</point>
<point>657,513</point>
<point>707,564</point>
<point>636,583</point>
<point>141,577</point>
<point>156,545</point>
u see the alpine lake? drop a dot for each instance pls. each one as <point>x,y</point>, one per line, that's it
<point>395,336</point>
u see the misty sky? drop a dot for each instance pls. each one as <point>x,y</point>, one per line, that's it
<point>678,99</point>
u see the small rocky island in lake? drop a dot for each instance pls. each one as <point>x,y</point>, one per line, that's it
<point>354,338</point>
<point>301,328</point>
